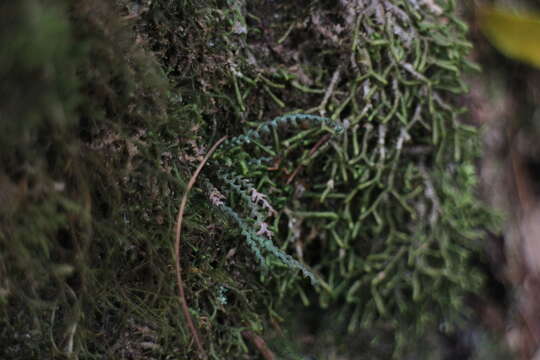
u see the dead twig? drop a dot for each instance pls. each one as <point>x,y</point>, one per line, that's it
<point>315,147</point>
<point>260,344</point>
<point>177,242</point>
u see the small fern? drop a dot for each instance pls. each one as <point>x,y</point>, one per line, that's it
<point>291,119</point>
<point>255,227</point>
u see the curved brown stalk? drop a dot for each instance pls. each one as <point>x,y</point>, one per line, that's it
<point>177,243</point>
<point>260,344</point>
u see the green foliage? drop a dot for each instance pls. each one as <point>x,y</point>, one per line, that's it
<point>272,125</point>
<point>258,240</point>
<point>83,129</point>
<point>381,208</point>
<point>384,212</point>
<point>37,212</point>
<point>254,227</point>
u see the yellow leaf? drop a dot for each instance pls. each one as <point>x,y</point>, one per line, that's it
<point>515,35</point>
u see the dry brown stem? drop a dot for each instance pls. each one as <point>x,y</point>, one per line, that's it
<point>177,243</point>
<point>260,344</point>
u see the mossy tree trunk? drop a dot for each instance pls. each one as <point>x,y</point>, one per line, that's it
<point>107,109</point>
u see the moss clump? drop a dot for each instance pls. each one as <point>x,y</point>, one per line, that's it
<point>91,175</point>
<point>84,179</point>
<point>384,213</point>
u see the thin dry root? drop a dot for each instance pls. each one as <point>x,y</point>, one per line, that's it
<point>260,344</point>
<point>177,243</point>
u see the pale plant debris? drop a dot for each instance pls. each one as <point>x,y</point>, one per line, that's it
<point>264,230</point>
<point>216,198</point>
<point>262,199</point>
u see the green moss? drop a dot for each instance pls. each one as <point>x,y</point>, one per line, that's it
<point>385,214</point>
<point>80,107</point>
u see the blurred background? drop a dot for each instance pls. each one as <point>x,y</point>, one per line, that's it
<point>504,100</point>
